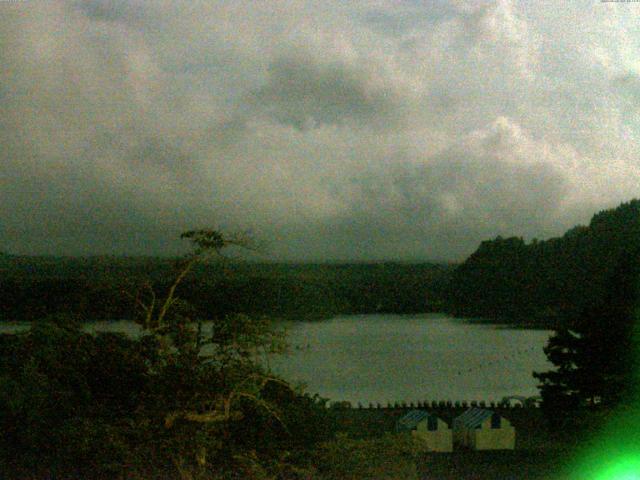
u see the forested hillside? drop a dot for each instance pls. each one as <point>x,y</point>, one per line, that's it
<point>505,279</point>
<point>545,282</point>
<point>101,287</point>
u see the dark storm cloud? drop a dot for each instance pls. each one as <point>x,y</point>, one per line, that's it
<point>339,130</point>
<point>159,155</point>
<point>111,10</point>
<point>301,93</point>
<point>410,16</point>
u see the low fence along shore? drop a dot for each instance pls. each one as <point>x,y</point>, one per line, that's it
<point>507,403</point>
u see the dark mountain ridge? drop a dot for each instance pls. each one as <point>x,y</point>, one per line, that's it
<point>545,282</point>
<point>99,288</point>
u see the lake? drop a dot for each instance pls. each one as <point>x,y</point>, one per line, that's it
<point>380,358</point>
<point>389,358</point>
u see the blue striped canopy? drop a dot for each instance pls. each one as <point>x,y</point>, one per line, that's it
<point>411,420</point>
<point>472,418</point>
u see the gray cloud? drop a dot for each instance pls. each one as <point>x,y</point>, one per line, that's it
<point>337,130</point>
<point>302,94</point>
<point>111,10</point>
<point>469,191</point>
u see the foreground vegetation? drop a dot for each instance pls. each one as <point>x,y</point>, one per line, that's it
<point>82,406</point>
<point>178,402</point>
<point>75,405</point>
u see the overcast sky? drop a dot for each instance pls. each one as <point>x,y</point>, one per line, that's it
<point>332,129</point>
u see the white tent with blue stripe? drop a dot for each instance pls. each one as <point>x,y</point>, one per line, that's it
<point>481,429</point>
<point>433,431</point>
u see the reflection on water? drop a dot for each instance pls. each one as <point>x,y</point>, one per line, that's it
<point>380,358</point>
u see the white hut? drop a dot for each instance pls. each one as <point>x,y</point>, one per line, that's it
<point>433,431</point>
<point>481,429</point>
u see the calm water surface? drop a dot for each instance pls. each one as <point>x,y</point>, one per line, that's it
<point>380,358</point>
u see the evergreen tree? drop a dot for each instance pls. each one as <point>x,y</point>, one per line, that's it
<point>596,358</point>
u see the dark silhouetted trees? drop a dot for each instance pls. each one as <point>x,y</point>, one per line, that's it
<point>545,282</point>
<point>33,287</point>
<point>596,356</point>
